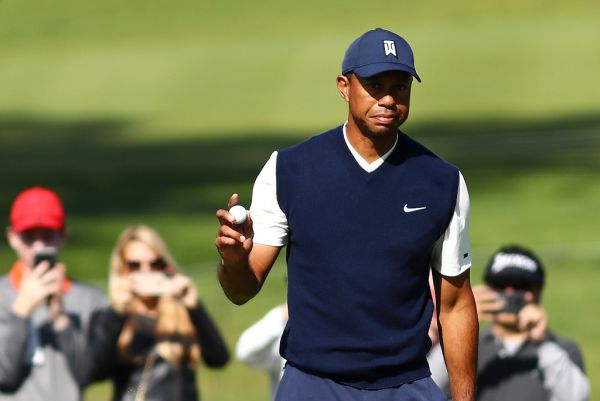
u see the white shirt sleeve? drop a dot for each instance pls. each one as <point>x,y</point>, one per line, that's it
<point>268,220</point>
<point>451,253</point>
<point>437,366</point>
<point>258,346</point>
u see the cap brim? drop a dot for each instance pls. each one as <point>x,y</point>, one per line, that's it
<point>513,277</point>
<point>49,223</point>
<point>369,70</point>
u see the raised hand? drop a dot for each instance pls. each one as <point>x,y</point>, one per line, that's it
<point>534,320</point>
<point>37,285</point>
<point>233,241</point>
<point>488,302</point>
<point>183,288</point>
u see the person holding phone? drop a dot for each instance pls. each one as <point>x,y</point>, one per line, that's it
<point>156,330</point>
<point>258,345</point>
<point>44,316</point>
<point>520,359</point>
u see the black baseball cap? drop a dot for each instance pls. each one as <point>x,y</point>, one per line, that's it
<point>514,266</point>
<point>378,51</point>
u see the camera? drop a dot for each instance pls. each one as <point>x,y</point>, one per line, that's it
<point>49,254</point>
<point>513,302</point>
<point>150,284</point>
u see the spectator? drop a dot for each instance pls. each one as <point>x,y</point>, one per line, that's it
<point>520,359</point>
<point>44,316</point>
<point>156,330</point>
<point>258,345</point>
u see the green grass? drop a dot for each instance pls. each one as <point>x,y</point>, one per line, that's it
<point>183,65</point>
<point>156,111</point>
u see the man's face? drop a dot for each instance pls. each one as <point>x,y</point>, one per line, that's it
<point>510,319</point>
<point>378,105</point>
<point>27,243</point>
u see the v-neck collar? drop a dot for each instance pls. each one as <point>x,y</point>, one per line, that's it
<point>362,163</point>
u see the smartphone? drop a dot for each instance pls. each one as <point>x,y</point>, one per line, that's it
<point>513,302</point>
<point>49,254</point>
<point>149,284</point>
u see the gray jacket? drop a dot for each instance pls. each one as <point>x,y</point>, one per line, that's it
<point>37,363</point>
<point>551,370</point>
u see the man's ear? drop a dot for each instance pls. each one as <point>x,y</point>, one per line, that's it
<point>13,238</point>
<point>343,85</point>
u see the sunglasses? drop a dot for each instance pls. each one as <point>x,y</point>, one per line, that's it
<point>39,234</point>
<point>155,264</point>
<point>517,286</point>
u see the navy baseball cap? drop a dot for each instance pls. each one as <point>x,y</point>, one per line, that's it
<point>377,51</point>
<point>514,266</point>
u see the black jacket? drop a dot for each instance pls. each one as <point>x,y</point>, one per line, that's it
<point>166,382</point>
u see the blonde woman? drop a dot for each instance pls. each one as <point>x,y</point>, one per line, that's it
<point>156,330</point>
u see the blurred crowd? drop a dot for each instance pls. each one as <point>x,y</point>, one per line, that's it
<point>150,333</point>
<point>58,335</point>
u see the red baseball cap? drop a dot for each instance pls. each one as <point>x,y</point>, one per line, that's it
<point>37,207</point>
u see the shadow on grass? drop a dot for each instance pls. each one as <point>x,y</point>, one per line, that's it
<point>99,174</point>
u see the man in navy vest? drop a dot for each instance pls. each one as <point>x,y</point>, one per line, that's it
<point>365,212</point>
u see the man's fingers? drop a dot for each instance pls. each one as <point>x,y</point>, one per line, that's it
<point>492,307</point>
<point>488,302</point>
<point>233,241</point>
<point>228,227</point>
<point>225,218</point>
<point>226,245</point>
<point>55,273</point>
<point>40,269</point>
<point>230,232</point>
<point>233,200</point>
<point>485,317</point>
<point>53,285</point>
<point>233,248</point>
<point>490,297</point>
<point>248,244</point>
<point>247,227</point>
<point>60,271</point>
<point>484,294</point>
<point>541,327</point>
<point>534,319</point>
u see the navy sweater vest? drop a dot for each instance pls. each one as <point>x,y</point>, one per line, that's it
<point>358,264</point>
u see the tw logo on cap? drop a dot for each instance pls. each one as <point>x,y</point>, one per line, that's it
<point>389,46</point>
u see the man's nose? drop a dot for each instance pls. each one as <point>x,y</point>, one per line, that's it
<point>38,244</point>
<point>387,100</point>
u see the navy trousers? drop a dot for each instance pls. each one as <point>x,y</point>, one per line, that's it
<point>296,385</point>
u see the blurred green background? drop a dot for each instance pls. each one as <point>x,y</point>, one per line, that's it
<point>156,111</point>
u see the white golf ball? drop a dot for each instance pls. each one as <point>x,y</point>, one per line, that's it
<point>239,213</point>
